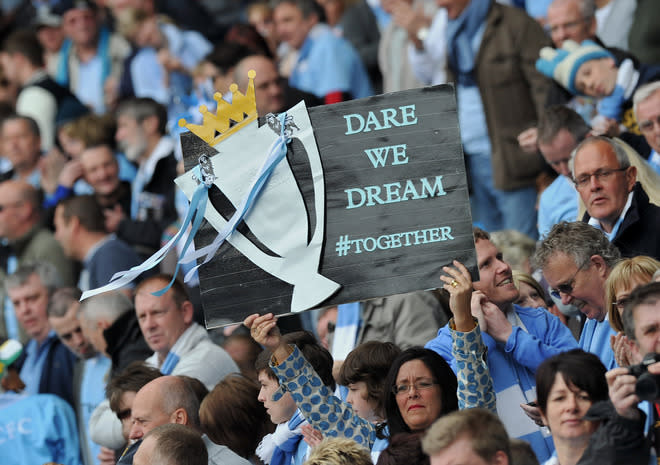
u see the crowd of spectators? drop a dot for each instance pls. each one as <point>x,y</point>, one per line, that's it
<point>551,356</point>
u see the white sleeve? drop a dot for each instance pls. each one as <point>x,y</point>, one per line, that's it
<point>40,105</point>
<point>105,428</point>
<point>430,64</point>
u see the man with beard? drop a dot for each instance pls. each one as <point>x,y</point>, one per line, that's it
<point>141,135</point>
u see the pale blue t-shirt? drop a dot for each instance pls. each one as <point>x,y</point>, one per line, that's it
<point>327,63</point>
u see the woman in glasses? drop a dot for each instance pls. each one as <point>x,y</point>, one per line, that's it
<point>422,387</point>
<point>419,387</point>
<point>624,277</point>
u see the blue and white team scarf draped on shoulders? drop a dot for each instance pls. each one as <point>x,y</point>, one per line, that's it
<point>278,448</point>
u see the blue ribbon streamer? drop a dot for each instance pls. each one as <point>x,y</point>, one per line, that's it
<point>196,210</point>
<point>195,215</point>
<point>276,152</point>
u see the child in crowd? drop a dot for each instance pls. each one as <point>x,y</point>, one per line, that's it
<point>285,446</point>
<point>589,69</point>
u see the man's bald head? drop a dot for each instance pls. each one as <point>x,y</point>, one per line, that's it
<point>269,92</point>
<point>168,399</point>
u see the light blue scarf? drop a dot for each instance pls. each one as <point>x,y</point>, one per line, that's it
<point>103,50</point>
<point>284,451</point>
<point>460,32</point>
<point>279,448</point>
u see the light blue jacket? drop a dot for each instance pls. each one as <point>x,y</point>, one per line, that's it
<point>512,367</point>
<point>36,429</point>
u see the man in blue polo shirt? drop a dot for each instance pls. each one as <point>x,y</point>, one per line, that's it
<point>327,65</point>
<point>47,367</point>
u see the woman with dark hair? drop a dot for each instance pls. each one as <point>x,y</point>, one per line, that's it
<point>404,449</point>
<point>572,396</point>
<point>231,415</point>
<point>419,387</point>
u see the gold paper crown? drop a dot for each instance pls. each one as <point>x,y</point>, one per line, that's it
<point>241,111</point>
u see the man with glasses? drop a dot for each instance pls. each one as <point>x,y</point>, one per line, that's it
<point>646,104</point>
<point>616,203</point>
<point>570,20</point>
<point>576,259</point>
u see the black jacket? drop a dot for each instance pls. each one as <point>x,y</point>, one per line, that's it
<point>125,342</point>
<point>147,233</point>
<point>638,234</point>
<point>617,440</point>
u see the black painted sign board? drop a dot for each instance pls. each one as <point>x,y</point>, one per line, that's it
<point>396,206</point>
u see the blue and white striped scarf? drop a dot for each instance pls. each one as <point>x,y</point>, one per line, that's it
<point>279,447</point>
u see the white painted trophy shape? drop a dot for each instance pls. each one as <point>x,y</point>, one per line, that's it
<point>278,218</point>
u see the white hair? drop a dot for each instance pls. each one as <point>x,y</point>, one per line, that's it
<point>108,306</point>
<point>644,92</point>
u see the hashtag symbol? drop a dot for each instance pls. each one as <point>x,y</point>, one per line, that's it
<point>343,246</point>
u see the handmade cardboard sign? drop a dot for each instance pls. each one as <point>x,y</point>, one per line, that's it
<point>370,200</point>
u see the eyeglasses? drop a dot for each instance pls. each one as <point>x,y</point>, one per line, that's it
<point>421,385</point>
<point>571,25</point>
<point>565,287</point>
<point>649,124</point>
<point>602,175</point>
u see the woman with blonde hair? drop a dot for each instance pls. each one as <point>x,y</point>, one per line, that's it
<point>532,295</point>
<point>531,292</point>
<point>339,451</point>
<point>624,277</point>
